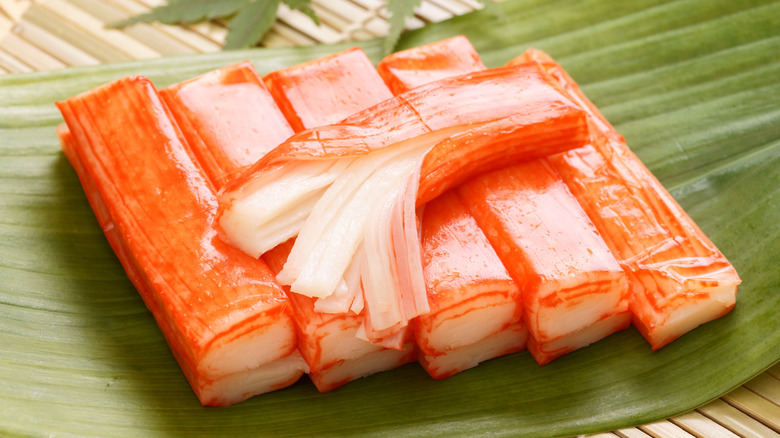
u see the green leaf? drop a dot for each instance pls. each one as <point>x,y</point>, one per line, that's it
<point>305,7</point>
<point>692,86</point>
<point>249,25</point>
<point>491,7</point>
<point>186,11</point>
<point>399,11</point>
<point>255,17</point>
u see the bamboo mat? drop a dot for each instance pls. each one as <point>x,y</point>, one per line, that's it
<point>49,34</point>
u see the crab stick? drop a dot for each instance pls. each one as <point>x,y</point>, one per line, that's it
<point>476,311</point>
<point>573,290</point>
<point>224,317</point>
<point>327,90</point>
<point>421,65</point>
<point>679,278</point>
<point>357,181</point>
<point>321,91</point>
<point>471,295</point>
<point>446,363</point>
<point>229,119</point>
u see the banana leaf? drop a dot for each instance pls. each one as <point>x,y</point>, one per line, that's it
<point>692,84</point>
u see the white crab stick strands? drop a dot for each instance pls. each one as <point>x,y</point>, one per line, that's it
<point>276,206</point>
<point>334,230</point>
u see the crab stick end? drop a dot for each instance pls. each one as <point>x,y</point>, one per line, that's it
<point>662,323</point>
<point>326,90</point>
<point>417,66</point>
<point>445,364</point>
<point>545,352</point>
<point>233,388</point>
<point>345,371</point>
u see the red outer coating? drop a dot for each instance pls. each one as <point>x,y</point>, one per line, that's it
<point>203,293</point>
<point>509,104</point>
<point>568,278</point>
<point>671,263</point>
<point>229,119</point>
<point>327,90</point>
<point>421,65</point>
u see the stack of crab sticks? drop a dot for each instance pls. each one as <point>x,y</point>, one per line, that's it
<point>476,312</point>
<point>231,119</point>
<point>679,278</point>
<point>223,315</point>
<point>339,220</point>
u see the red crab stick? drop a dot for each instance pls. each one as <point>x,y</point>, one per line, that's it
<point>476,312</point>
<point>679,278</point>
<point>229,119</point>
<point>573,291</point>
<point>327,90</point>
<point>418,66</point>
<point>221,312</point>
<point>328,341</point>
<point>475,306</point>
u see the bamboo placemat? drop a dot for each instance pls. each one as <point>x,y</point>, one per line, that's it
<point>50,34</point>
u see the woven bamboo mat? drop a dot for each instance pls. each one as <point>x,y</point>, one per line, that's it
<point>48,34</point>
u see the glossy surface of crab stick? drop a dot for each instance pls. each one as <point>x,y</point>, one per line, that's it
<point>475,305</point>
<point>221,312</point>
<point>421,65</point>
<point>471,295</point>
<point>679,278</point>
<point>569,280</point>
<point>328,89</point>
<point>218,389</point>
<point>229,118</point>
<point>328,341</point>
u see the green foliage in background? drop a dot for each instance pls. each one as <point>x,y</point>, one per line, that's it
<point>249,20</point>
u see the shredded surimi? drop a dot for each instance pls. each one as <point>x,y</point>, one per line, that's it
<point>277,205</point>
<point>341,214</point>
